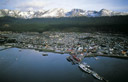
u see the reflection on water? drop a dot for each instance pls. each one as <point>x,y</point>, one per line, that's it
<point>30,66</point>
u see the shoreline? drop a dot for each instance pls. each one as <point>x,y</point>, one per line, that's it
<point>53,51</point>
<point>82,44</point>
<point>112,56</point>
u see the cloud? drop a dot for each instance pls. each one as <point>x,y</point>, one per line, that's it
<point>31,5</point>
<point>120,8</point>
<point>67,4</point>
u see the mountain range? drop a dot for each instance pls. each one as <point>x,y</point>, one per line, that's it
<point>58,12</point>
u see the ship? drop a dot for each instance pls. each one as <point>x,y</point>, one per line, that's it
<point>44,54</point>
<point>96,75</point>
<point>85,68</point>
<point>71,59</point>
<point>76,58</point>
<point>88,66</point>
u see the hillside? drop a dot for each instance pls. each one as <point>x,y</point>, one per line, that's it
<point>116,24</point>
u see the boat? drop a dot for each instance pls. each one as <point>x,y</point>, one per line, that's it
<point>88,66</point>
<point>44,54</point>
<point>68,58</point>
<point>96,58</point>
<point>76,58</point>
<point>71,59</point>
<point>84,68</point>
<point>96,75</point>
<point>20,50</point>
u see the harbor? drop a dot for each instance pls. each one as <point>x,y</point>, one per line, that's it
<point>29,65</point>
<point>76,48</point>
<point>86,68</point>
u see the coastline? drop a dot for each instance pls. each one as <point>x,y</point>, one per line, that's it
<point>113,56</point>
<point>53,51</point>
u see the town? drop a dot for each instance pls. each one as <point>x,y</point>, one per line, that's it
<point>77,45</point>
<point>87,44</point>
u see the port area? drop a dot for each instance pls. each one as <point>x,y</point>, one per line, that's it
<point>78,45</point>
<point>113,56</point>
<point>86,68</point>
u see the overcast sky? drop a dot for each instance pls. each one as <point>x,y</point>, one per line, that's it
<point>116,5</point>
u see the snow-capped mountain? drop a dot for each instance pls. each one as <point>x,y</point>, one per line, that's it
<point>55,13</point>
<point>58,12</point>
<point>93,13</point>
<point>76,12</point>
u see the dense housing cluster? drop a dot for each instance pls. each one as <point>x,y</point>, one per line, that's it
<point>74,43</point>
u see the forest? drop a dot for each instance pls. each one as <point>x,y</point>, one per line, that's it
<point>114,24</point>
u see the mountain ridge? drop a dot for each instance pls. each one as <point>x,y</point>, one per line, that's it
<point>58,12</point>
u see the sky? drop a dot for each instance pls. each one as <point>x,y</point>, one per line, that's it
<point>23,5</point>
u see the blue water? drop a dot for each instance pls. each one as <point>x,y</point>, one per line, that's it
<point>30,66</point>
